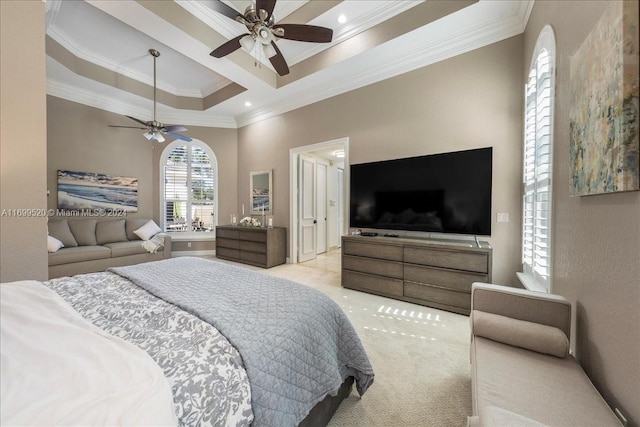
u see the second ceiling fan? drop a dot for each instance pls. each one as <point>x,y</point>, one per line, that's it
<point>262,28</point>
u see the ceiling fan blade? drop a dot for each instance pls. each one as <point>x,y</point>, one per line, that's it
<point>138,120</point>
<point>127,127</point>
<point>225,10</point>
<point>306,33</point>
<point>278,61</point>
<point>267,5</point>
<point>174,128</point>
<point>228,47</point>
<point>178,136</point>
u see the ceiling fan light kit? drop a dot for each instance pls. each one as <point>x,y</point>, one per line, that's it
<point>154,129</point>
<point>260,22</point>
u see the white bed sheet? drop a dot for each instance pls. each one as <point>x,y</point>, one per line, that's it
<point>58,369</point>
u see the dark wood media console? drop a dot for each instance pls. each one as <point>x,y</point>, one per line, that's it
<point>434,273</point>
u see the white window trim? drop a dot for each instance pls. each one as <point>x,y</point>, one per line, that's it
<point>546,41</point>
<point>188,235</point>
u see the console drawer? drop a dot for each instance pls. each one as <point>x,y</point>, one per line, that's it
<point>373,266</point>
<point>253,257</point>
<point>460,281</point>
<point>374,284</point>
<point>459,260</point>
<point>388,252</point>
<point>437,295</point>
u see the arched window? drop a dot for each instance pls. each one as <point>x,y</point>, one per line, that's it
<point>537,164</point>
<point>189,172</point>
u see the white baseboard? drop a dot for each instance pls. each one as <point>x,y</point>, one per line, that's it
<point>210,252</point>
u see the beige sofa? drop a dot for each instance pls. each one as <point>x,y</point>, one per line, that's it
<point>522,372</point>
<point>95,244</point>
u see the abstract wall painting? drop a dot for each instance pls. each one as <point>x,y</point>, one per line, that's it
<point>97,192</point>
<point>604,81</point>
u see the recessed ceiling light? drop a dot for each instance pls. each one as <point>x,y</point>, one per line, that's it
<point>342,19</point>
<point>247,104</point>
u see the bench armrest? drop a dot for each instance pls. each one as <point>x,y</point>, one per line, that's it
<point>521,304</point>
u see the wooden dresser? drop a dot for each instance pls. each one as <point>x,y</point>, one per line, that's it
<point>260,246</point>
<point>428,272</point>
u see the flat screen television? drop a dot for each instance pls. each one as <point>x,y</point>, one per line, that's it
<point>439,193</point>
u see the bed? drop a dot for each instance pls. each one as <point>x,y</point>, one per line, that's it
<point>234,347</point>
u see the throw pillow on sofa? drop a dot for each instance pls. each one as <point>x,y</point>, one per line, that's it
<point>53,244</point>
<point>147,231</point>
<point>61,231</point>
<point>84,231</point>
<point>111,232</point>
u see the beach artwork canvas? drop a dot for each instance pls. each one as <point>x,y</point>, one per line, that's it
<point>604,77</point>
<point>96,191</point>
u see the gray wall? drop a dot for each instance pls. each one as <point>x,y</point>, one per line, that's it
<point>596,239</point>
<point>470,101</point>
<point>23,141</point>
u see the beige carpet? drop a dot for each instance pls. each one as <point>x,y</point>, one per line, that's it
<point>420,355</point>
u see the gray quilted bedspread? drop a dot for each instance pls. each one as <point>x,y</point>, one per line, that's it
<point>296,343</point>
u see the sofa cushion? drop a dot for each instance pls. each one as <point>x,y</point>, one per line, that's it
<point>84,231</point>
<point>79,253</point>
<point>53,244</point>
<point>133,224</point>
<point>111,231</point>
<point>61,231</point>
<point>520,333</point>
<point>119,249</point>
<point>550,390</point>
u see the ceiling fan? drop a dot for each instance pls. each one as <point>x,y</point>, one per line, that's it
<point>154,129</point>
<point>262,28</point>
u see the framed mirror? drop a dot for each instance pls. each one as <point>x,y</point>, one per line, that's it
<point>261,192</point>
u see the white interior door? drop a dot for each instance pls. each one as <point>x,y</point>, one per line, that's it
<point>321,206</point>
<point>340,219</point>
<point>307,208</point>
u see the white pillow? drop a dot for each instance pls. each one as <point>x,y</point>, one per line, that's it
<point>53,244</point>
<point>148,230</point>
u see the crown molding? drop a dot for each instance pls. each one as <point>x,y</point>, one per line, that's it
<point>102,102</point>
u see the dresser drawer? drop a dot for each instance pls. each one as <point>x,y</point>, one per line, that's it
<point>437,295</point>
<point>370,283</point>
<point>253,246</point>
<point>227,253</point>
<point>457,280</point>
<point>254,236</point>
<point>373,266</point>
<point>226,233</point>
<point>254,258</point>
<point>387,252</point>
<point>456,259</point>
<point>221,242</point>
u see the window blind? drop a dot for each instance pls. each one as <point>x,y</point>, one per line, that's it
<point>537,168</point>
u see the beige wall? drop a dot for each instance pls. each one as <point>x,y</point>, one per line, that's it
<point>23,141</point>
<point>80,139</point>
<point>471,101</point>
<point>596,239</point>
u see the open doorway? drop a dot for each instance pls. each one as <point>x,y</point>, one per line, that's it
<point>319,177</point>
